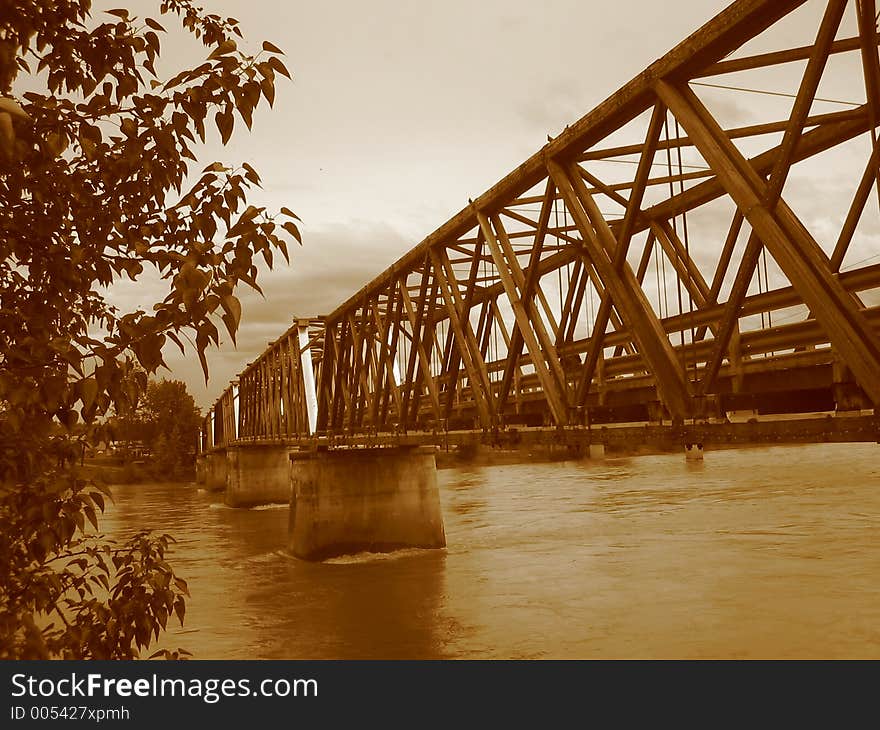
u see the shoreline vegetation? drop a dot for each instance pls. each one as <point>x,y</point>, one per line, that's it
<point>117,470</point>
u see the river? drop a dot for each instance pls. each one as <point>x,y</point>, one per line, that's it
<point>760,552</point>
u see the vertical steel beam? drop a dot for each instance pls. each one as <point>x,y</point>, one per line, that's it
<point>308,374</point>
<point>419,350</point>
<point>866,11</point>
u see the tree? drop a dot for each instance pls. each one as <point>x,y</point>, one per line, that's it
<point>168,422</point>
<point>174,419</point>
<point>97,183</point>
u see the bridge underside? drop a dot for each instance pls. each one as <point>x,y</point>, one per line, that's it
<point>670,258</point>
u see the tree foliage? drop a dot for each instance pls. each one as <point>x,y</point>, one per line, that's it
<point>167,422</point>
<point>97,183</point>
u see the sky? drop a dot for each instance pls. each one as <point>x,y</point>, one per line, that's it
<point>399,112</point>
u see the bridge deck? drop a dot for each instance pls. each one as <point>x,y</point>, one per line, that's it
<point>810,428</point>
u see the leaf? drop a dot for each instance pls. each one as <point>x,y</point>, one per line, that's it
<point>153,43</point>
<point>47,542</point>
<point>98,499</point>
<point>246,112</point>
<point>268,87</point>
<point>293,231</point>
<point>149,352</point>
<point>129,127</point>
<point>272,47</point>
<point>275,63</point>
<point>91,515</point>
<point>153,24</point>
<point>88,391</point>
<point>224,49</point>
<point>119,13</point>
<point>56,143</point>
<point>266,71</point>
<point>251,174</point>
<point>232,306</point>
<point>201,344</point>
<point>180,609</point>
<point>288,211</point>
<point>176,340</point>
<point>225,122</point>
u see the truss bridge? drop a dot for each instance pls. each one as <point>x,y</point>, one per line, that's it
<point>698,256</point>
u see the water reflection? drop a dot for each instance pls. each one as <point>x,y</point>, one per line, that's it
<point>761,552</point>
<point>466,494</point>
<point>359,609</point>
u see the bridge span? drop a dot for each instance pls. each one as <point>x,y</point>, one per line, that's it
<point>658,272</point>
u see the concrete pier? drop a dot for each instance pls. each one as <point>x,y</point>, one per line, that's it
<point>597,451</point>
<point>347,501</point>
<point>215,471</point>
<point>693,452</point>
<point>257,474</point>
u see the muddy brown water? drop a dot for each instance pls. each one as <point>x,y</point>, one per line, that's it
<point>760,552</point>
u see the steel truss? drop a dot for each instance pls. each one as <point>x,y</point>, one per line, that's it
<point>538,300</point>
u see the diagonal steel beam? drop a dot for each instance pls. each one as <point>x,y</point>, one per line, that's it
<point>830,134</point>
<point>528,320</point>
<point>467,344</point>
<point>778,175</point>
<point>796,252</point>
<point>599,246</point>
<point>856,209</point>
<point>624,236</point>
<point>516,341</point>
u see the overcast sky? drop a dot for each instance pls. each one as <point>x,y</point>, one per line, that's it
<point>401,111</point>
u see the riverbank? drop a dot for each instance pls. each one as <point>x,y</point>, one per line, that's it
<point>113,470</point>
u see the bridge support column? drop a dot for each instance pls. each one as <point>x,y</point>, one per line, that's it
<point>215,471</point>
<point>258,474</point>
<point>848,396</point>
<point>347,501</point>
<point>597,451</point>
<point>657,413</point>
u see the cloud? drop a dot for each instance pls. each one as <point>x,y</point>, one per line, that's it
<point>332,265</point>
<point>728,112</point>
<point>551,107</point>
